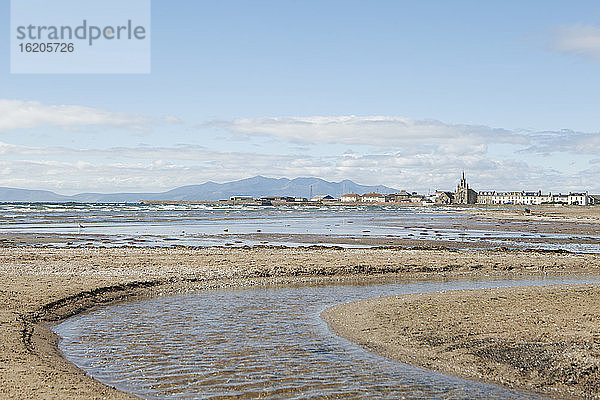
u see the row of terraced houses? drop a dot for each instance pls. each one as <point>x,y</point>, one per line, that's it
<point>465,195</point>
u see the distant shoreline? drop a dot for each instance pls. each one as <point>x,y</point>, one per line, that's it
<point>524,208</point>
<point>366,203</point>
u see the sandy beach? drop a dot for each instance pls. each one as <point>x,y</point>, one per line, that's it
<point>43,286</point>
<point>542,339</point>
<point>549,213</point>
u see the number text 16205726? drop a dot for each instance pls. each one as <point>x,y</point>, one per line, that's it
<point>46,47</point>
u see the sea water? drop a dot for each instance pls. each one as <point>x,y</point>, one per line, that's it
<point>267,343</point>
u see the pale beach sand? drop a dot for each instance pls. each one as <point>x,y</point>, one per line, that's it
<point>543,339</point>
<point>42,286</point>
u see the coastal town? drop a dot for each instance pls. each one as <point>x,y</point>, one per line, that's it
<point>463,194</point>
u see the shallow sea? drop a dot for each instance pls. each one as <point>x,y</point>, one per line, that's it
<point>223,225</point>
<point>257,343</point>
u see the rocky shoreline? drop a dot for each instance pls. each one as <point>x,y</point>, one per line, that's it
<point>40,286</point>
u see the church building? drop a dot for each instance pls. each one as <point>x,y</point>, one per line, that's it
<point>464,195</point>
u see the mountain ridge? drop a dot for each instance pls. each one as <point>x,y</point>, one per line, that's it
<point>256,186</point>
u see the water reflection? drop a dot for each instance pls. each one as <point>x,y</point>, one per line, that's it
<point>255,343</point>
<point>204,225</point>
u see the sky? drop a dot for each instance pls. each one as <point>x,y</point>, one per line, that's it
<point>401,93</point>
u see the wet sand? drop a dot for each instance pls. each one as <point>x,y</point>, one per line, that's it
<point>584,216</point>
<point>460,227</point>
<point>543,339</point>
<point>42,286</point>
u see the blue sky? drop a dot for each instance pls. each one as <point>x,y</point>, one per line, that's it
<point>400,93</point>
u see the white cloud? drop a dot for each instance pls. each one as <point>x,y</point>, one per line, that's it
<point>564,141</point>
<point>172,119</point>
<point>143,169</point>
<point>17,114</point>
<point>411,154</point>
<point>413,136</point>
<point>582,40</point>
<point>371,130</point>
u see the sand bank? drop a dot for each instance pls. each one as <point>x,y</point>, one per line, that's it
<point>41,286</point>
<point>542,213</point>
<point>543,339</point>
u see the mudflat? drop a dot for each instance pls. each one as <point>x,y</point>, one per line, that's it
<point>459,227</point>
<point>543,339</point>
<point>40,286</point>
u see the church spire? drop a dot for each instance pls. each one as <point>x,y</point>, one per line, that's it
<point>464,194</point>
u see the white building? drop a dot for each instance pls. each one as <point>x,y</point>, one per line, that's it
<point>580,199</point>
<point>533,198</point>
<point>373,198</point>
<point>350,198</point>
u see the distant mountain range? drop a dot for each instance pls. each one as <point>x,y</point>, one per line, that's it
<point>256,187</point>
